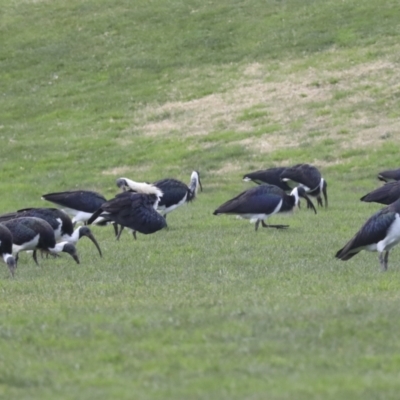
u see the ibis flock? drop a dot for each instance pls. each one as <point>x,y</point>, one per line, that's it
<point>143,207</point>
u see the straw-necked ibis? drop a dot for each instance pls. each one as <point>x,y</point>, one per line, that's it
<point>136,211</point>
<point>380,233</point>
<point>270,176</point>
<point>260,202</point>
<point>31,233</point>
<point>59,221</point>
<point>309,178</point>
<point>175,192</point>
<point>386,194</point>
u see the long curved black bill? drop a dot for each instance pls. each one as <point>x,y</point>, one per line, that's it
<point>92,238</point>
<point>309,203</point>
<point>324,192</point>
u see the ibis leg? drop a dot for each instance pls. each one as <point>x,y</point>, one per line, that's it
<point>34,255</point>
<point>274,226</point>
<point>120,231</point>
<point>115,226</point>
<point>383,259</point>
<point>324,192</point>
<point>386,260</point>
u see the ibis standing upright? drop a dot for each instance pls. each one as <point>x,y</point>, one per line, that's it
<point>175,192</point>
<point>31,233</point>
<point>310,178</point>
<point>381,232</point>
<point>260,202</point>
<point>6,242</point>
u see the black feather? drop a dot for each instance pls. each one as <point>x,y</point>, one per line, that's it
<point>81,200</point>
<point>389,175</point>
<point>386,194</point>
<point>132,210</point>
<point>372,232</point>
<point>270,176</point>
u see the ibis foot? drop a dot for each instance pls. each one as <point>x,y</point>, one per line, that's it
<point>274,226</point>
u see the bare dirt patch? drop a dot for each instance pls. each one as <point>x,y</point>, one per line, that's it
<point>300,101</point>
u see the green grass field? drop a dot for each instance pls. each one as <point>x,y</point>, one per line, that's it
<point>209,308</point>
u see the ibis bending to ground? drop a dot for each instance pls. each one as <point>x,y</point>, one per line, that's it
<point>175,192</point>
<point>380,233</point>
<point>6,243</point>
<point>386,194</point>
<point>389,175</point>
<point>136,211</point>
<point>270,176</point>
<point>60,222</point>
<point>31,233</point>
<point>309,178</point>
<point>260,202</point>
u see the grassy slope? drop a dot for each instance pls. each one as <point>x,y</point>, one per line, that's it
<point>207,309</point>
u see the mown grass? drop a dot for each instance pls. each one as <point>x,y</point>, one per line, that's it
<point>208,308</point>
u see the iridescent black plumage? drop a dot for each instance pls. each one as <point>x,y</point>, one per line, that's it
<point>80,200</point>
<point>380,233</point>
<point>258,203</point>
<point>60,222</point>
<point>31,233</point>
<point>175,192</point>
<point>310,178</point>
<point>386,194</point>
<point>389,175</point>
<point>270,176</point>
<point>80,204</point>
<point>132,210</point>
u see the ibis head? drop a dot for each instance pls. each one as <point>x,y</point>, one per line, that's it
<point>298,192</point>
<point>11,264</point>
<point>122,184</point>
<point>70,249</point>
<point>85,231</point>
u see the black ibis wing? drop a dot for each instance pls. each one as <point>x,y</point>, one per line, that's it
<point>144,218</point>
<point>132,210</point>
<point>271,176</point>
<point>82,200</point>
<point>50,215</point>
<point>391,174</point>
<point>262,199</point>
<point>386,194</point>
<point>112,206</point>
<point>173,191</point>
<point>373,231</point>
<point>8,216</point>
<point>6,240</point>
<point>24,229</point>
<point>304,174</point>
